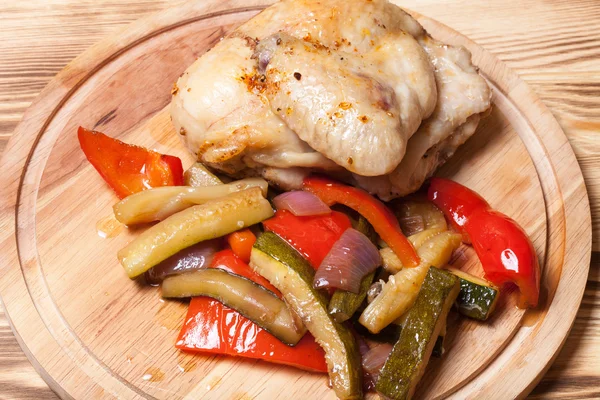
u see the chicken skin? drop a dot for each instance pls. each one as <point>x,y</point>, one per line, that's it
<point>354,89</point>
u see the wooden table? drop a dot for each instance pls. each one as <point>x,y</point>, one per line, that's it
<point>553,44</point>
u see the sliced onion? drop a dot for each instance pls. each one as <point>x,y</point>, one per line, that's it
<point>351,258</point>
<point>374,359</point>
<point>412,224</point>
<point>363,348</point>
<point>192,258</point>
<point>301,203</point>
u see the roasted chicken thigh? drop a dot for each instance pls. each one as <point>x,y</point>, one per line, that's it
<point>356,89</point>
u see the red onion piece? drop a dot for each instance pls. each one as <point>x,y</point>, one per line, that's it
<point>301,203</point>
<point>374,359</point>
<point>192,258</point>
<point>363,348</point>
<point>351,258</point>
<point>412,225</point>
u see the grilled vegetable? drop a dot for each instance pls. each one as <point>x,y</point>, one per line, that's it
<point>127,168</point>
<point>241,243</point>
<point>412,225</point>
<point>379,216</point>
<point>246,297</point>
<point>301,203</point>
<point>274,259</point>
<point>211,327</point>
<point>349,260</point>
<point>390,260</point>
<point>343,304</point>
<point>324,230</point>
<point>190,259</point>
<point>401,290</point>
<point>228,261</point>
<point>373,360</point>
<point>477,298</point>
<point>418,239</point>
<point>374,290</point>
<point>410,355</point>
<point>424,210</point>
<point>196,224</point>
<point>160,203</point>
<point>198,176</point>
<point>506,253</point>
<point>363,226</point>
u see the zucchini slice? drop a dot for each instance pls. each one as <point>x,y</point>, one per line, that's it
<point>406,364</point>
<point>401,290</point>
<point>438,348</point>
<point>246,297</point>
<point>156,204</point>
<point>289,272</point>
<point>198,176</point>
<point>211,220</point>
<point>477,298</point>
<point>344,304</point>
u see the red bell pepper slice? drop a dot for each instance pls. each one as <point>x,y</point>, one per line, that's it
<point>241,243</point>
<point>211,327</point>
<point>504,249</point>
<point>379,216</point>
<point>129,169</point>
<point>312,236</point>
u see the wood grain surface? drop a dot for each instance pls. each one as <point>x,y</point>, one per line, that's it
<point>549,43</point>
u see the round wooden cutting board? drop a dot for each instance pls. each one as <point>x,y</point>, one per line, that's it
<point>93,333</point>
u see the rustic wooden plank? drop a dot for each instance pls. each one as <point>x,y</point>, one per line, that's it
<point>574,374</point>
<point>39,38</point>
<point>18,379</point>
<point>552,44</point>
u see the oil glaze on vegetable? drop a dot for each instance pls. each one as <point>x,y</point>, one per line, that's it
<point>351,258</point>
<point>248,298</point>
<point>195,224</point>
<point>127,168</point>
<point>156,204</point>
<point>504,249</point>
<point>189,259</point>
<point>301,203</point>
<point>379,216</point>
<point>311,236</point>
